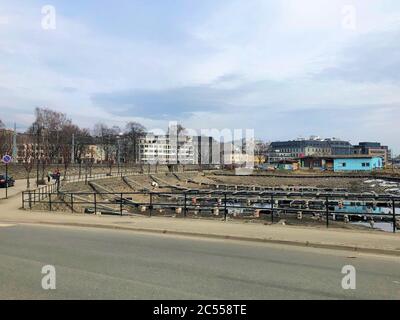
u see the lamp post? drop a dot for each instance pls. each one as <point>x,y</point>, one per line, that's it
<point>37,129</point>
<point>119,150</point>
<point>177,147</point>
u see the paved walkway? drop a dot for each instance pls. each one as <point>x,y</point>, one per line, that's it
<point>20,185</point>
<point>363,241</point>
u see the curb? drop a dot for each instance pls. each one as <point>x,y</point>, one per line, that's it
<point>228,237</point>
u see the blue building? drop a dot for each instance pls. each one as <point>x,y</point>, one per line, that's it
<point>357,163</point>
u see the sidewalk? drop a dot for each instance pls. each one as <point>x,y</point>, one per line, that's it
<point>20,185</point>
<point>361,241</point>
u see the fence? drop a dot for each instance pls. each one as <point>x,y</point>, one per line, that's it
<point>39,194</point>
<point>36,195</point>
<point>325,207</point>
<point>97,176</point>
<point>90,177</point>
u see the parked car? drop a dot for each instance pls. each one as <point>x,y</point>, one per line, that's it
<point>9,181</point>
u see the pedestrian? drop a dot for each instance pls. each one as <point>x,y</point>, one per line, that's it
<point>58,174</point>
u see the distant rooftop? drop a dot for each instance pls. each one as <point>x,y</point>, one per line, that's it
<point>351,156</point>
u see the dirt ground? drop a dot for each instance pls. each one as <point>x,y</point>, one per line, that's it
<point>192,180</point>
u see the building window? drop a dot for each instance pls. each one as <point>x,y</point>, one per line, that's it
<point>343,164</point>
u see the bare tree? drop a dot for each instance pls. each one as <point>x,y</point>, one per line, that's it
<point>107,139</point>
<point>110,164</point>
<point>83,140</point>
<point>56,132</point>
<point>66,155</point>
<point>67,131</point>
<point>47,132</point>
<point>28,164</point>
<point>180,129</point>
<point>260,151</point>
<point>50,120</point>
<point>5,141</point>
<point>134,131</point>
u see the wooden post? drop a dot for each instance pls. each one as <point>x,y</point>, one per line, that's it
<point>95,202</point>
<point>184,206</point>
<point>225,208</point>
<point>272,208</point>
<point>120,205</point>
<point>50,207</point>
<point>151,204</point>
<point>394,215</point>
<point>327,211</point>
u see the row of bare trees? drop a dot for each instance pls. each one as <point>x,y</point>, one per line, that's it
<point>49,141</point>
<point>119,145</point>
<point>54,139</point>
<point>66,141</point>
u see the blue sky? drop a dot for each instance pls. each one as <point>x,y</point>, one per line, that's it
<point>286,68</point>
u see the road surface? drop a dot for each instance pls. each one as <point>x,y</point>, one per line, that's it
<point>107,264</point>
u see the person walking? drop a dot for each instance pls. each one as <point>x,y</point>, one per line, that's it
<point>58,175</point>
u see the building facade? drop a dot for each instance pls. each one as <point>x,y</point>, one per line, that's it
<point>374,149</point>
<point>314,146</point>
<point>316,162</point>
<point>166,149</point>
<point>341,163</point>
<point>364,163</point>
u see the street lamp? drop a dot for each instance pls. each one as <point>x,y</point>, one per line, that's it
<point>38,130</point>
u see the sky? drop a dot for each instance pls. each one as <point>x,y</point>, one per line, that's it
<point>286,69</point>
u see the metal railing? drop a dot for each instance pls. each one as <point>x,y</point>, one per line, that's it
<point>114,174</point>
<point>96,176</point>
<point>266,205</point>
<point>39,194</point>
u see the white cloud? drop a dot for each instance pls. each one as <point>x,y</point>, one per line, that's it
<point>259,59</point>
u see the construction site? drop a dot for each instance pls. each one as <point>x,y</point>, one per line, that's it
<point>351,202</point>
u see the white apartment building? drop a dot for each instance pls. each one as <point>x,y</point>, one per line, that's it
<point>163,149</point>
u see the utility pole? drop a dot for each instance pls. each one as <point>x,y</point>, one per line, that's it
<point>73,149</point>
<point>38,132</point>
<point>119,153</point>
<point>119,137</point>
<point>15,149</point>
<point>177,146</point>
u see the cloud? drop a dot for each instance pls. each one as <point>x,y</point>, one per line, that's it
<point>370,58</point>
<point>164,104</point>
<point>285,68</point>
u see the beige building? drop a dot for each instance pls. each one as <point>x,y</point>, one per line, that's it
<point>95,152</point>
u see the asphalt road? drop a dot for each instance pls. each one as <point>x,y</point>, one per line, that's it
<point>107,264</point>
